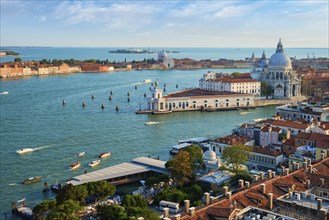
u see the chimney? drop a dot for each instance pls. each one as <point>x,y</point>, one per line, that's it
<point>297,166</point>
<point>308,183</point>
<point>177,217</point>
<point>255,178</point>
<point>319,204</point>
<point>241,183</point>
<point>212,200</point>
<point>322,182</point>
<point>309,162</point>
<point>273,174</point>
<point>283,169</point>
<point>270,195</point>
<point>293,188</point>
<point>286,172</point>
<point>187,205</point>
<point>305,159</point>
<point>192,211</point>
<point>263,188</point>
<point>305,165</point>
<point>293,166</point>
<point>261,175</point>
<point>165,212</point>
<point>269,174</point>
<point>247,184</point>
<point>310,168</point>
<point>322,156</point>
<point>225,189</point>
<point>229,195</point>
<point>206,198</point>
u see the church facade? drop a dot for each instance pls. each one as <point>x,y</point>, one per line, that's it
<point>278,73</point>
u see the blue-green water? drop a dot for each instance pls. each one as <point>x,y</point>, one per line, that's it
<point>32,116</point>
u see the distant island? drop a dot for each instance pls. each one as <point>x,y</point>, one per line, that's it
<point>131,50</point>
<point>9,53</point>
<point>138,51</point>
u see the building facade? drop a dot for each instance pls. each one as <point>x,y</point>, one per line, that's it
<point>278,73</point>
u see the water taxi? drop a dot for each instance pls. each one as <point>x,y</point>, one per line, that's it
<point>75,165</point>
<point>104,154</point>
<point>24,150</point>
<point>94,163</point>
<point>81,154</point>
<point>32,180</point>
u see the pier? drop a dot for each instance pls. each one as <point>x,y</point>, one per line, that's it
<point>138,169</point>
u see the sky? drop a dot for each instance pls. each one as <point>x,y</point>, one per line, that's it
<point>170,23</point>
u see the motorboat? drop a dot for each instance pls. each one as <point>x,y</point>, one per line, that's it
<point>4,93</point>
<point>56,187</point>
<point>75,165</point>
<point>24,150</point>
<point>32,180</point>
<point>104,154</point>
<point>94,163</point>
<point>20,209</point>
<point>81,154</point>
<point>147,81</point>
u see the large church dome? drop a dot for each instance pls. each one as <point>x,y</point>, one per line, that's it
<point>280,59</point>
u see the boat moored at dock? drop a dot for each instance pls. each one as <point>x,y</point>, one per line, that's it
<point>75,165</point>
<point>94,163</point>
<point>104,154</point>
<point>176,148</point>
<point>20,209</point>
<point>32,180</point>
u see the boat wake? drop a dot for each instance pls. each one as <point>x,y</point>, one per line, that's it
<point>42,147</point>
<point>4,93</point>
<point>152,122</point>
<point>12,184</point>
<point>244,113</point>
<point>259,119</point>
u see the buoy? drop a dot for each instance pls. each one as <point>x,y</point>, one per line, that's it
<point>116,108</point>
<point>111,92</point>
<point>128,99</point>
<point>92,96</point>
<point>176,85</point>
<point>144,94</point>
<point>63,102</point>
<point>128,94</point>
<point>83,104</point>
<point>110,97</point>
<point>136,87</point>
<point>102,107</point>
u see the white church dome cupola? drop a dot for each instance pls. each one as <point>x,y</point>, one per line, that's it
<point>209,155</point>
<point>280,59</point>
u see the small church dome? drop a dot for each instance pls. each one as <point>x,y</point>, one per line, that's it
<point>209,155</point>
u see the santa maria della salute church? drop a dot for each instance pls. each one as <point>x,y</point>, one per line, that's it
<point>278,72</point>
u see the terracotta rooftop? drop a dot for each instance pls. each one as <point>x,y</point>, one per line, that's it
<point>290,141</point>
<point>253,196</point>
<point>265,151</point>
<point>321,140</point>
<point>233,139</point>
<point>201,93</point>
<point>290,124</point>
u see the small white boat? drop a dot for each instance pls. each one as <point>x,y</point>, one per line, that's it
<point>24,150</point>
<point>81,154</point>
<point>75,165</point>
<point>94,163</point>
<point>147,81</point>
<point>104,154</point>
<point>4,93</point>
<point>151,122</point>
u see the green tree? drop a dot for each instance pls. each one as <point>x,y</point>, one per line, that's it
<point>180,168</point>
<point>66,211</point>
<point>41,210</point>
<point>265,89</point>
<point>196,156</point>
<point>113,212</point>
<point>70,192</point>
<point>171,194</point>
<point>235,74</point>
<point>136,206</point>
<point>234,157</point>
<point>18,60</point>
<point>100,189</point>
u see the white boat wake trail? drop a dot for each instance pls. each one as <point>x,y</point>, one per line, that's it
<point>13,184</point>
<point>42,147</point>
<point>152,122</point>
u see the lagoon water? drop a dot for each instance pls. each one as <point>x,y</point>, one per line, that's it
<point>32,116</point>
